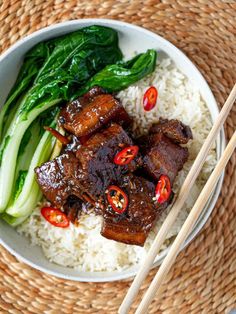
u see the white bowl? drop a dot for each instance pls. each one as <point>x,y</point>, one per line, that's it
<point>132,39</point>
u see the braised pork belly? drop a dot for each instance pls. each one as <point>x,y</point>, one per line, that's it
<point>91,112</point>
<point>134,225</point>
<point>58,179</point>
<point>175,130</point>
<point>161,156</point>
<point>102,155</point>
<point>96,158</point>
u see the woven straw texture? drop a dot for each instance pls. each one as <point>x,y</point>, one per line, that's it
<point>203,279</point>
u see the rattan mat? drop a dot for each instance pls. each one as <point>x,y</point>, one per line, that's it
<point>203,279</point>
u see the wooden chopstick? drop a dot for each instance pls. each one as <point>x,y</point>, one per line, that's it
<point>187,227</point>
<point>183,194</point>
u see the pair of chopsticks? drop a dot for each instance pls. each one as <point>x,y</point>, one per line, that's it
<point>191,219</point>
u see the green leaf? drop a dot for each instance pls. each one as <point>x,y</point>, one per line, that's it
<point>118,76</point>
<point>69,73</point>
<point>33,61</point>
<point>64,48</point>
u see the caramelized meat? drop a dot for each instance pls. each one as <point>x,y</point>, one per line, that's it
<point>173,129</point>
<point>161,149</point>
<point>87,174</point>
<point>162,156</point>
<point>96,156</point>
<point>91,112</point>
<point>58,179</point>
<point>134,225</point>
<point>86,168</point>
<point>124,232</point>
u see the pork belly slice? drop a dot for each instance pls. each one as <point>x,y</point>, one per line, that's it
<point>96,158</point>
<point>175,130</point>
<point>90,113</point>
<point>124,232</point>
<point>87,174</point>
<point>133,226</point>
<point>53,177</point>
<point>161,156</point>
<point>59,180</point>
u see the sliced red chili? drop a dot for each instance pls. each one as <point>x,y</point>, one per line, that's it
<point>55,217</point>
<point>63,139</point>
<point>126,155</point>
<point>117,198</point>
<point>163,189</point>
<point>150,98</point>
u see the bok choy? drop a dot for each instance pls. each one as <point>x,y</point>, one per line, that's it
<point>33,61</point>
<point>13,221</point>
<point>27,192</point>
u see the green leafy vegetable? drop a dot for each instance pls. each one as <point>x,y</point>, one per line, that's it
<point>27,149</point>
<point>32,63</point>
<point>118,76</point>
<point>10,153</point>
<point>27,192</point>
<point>13,221</point>
<point>66,49</point>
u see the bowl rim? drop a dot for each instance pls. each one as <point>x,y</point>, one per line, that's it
<point>221,139</point>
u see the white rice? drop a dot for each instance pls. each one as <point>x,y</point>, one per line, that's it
<point>83,247</point>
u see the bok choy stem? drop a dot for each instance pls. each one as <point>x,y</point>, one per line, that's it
<point>10,152</point>
<point>30,192</point>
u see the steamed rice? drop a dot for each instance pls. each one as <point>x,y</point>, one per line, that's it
<point>83,247</point>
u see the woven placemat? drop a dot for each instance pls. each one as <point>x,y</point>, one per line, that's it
<point>203,279</point>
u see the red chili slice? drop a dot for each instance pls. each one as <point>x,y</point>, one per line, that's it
<point>55,217</point>
<point>63,139</point>
<point>117,198</point>
<point>163,189</point>
<point>126,155</point>
<point>150,98</point>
